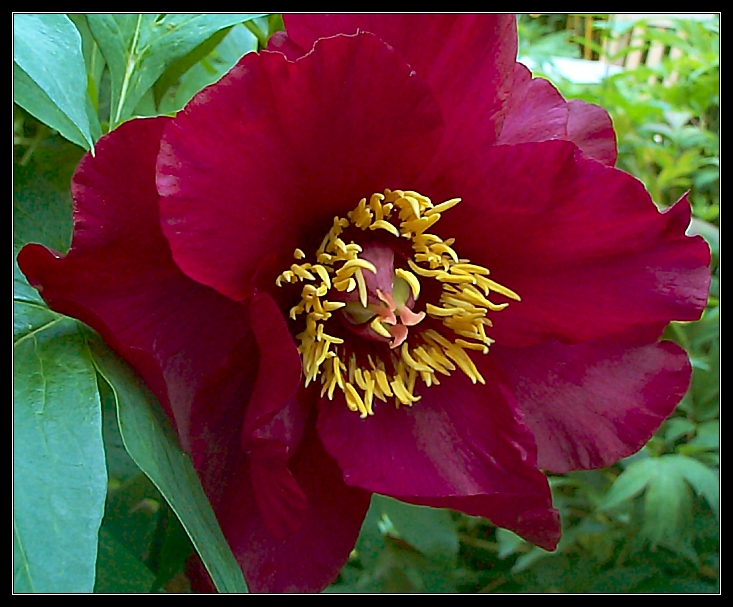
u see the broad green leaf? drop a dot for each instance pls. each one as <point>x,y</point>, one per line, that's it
<point>429,530</point>
<point>60,478</point>
<point>139,48</point>
<point>50,75</point>
<point>152,444</point>
<point>92,57</point>
<point>118,570</point>
<point>42,208</point>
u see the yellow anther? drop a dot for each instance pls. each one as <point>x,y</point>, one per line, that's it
<point>382,382</point>
<point>432,361</point>
<point>411,362</point>
<point>302,271</point>
<point>353,396</point>
<point>485,283</point>
<point>400,391</point>
<point>298,254</point>
<point>347,284</point>
<point>469,268</point>
<point>411,280</point>
<point>356,263</point>
<point>322,274</point>
<point>375,204</point>
<point>385,225</point>
<point>419,225</point>
<point>361,283</point>
<point>414,205</point>
<point>423,271</point>
<point>456,278</point>
<point>330,306</point>
<point>442,248</point>
<point>443,206</point>
<point>472,346</point>
<point>378,328</point>
<point>474,296</point>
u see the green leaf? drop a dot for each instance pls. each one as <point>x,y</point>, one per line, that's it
<point>667,505</point>
<point>429,530</point>
<point>60,478</point>
<point>139,48</point>
<point>707,436</point>
<point>118,570</point>
<point>703,480</point>
<point>50,76</point>
<point>42,208</point>
<point>677,427</point>
<point>151,442</point>
<point>630,483</point>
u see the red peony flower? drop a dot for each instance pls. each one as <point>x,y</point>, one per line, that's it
<point>286,264</point>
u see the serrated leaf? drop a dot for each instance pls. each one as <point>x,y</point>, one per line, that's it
<point>51,78</point>
<point>508,541</point>
<point>705,481</point>
<point>139,48</point>
<point>630,483</point>
<point>151,442</point>
<point>60,478</point>
<point>667,505</point>
<point>677,427</point>
<point>429,530</point>
<point>707,436</point>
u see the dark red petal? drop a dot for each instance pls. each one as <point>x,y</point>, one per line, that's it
<point>274,421</point>
<point>535,111</point>
<point>460,444</point>
<point>591,129</point>
<point>310,559</point>
<point>260,163</point>
<point>120,279</point>
<point>582,244</point>
<point>278,382</point>
<point>591,404</point>
<point>467,60</point>
<point>529,516</point>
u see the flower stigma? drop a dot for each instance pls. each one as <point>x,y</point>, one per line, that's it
<point>364,331</point>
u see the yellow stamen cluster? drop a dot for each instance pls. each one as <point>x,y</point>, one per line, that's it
<point>463,305</point>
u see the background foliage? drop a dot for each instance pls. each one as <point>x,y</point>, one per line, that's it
<point>103,498</point>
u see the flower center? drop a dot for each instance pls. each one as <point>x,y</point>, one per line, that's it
<point>365,332</point>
